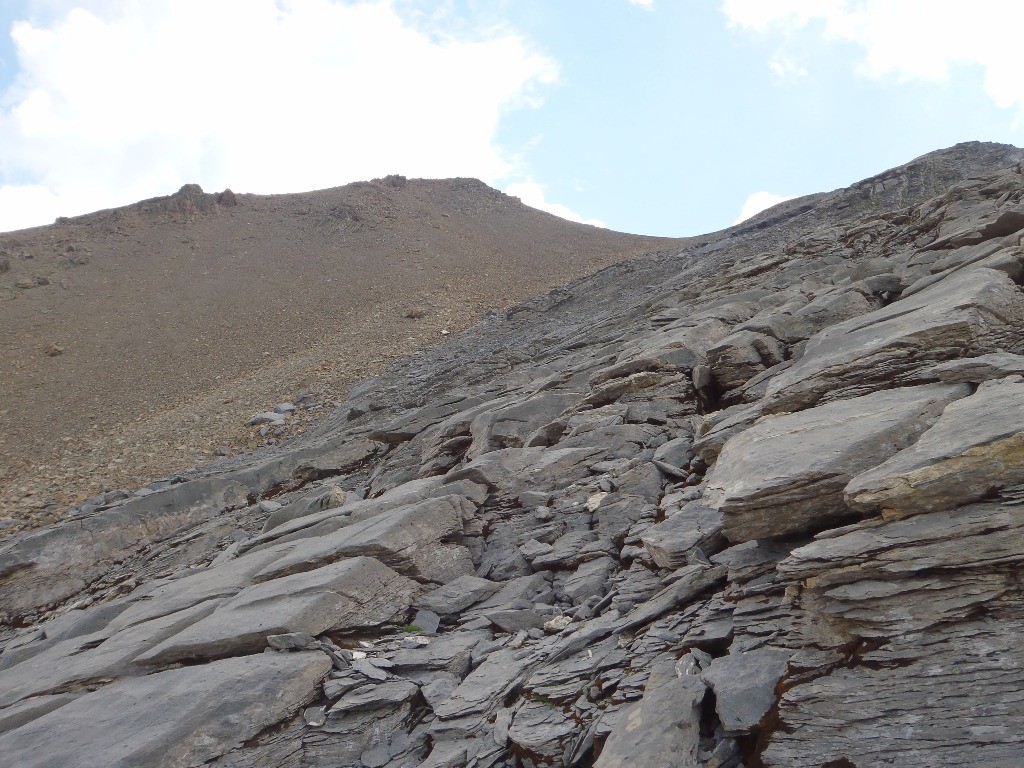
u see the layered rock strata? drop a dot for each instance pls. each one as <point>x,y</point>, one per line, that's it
<point>754,503</point>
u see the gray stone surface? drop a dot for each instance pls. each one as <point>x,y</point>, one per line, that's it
<point>967,314</point>
<point>745,686</point>
<point>457,595</point>
<point>786,474</point>
<point>664,728</point>
<point>671,541</point>
<point>357,593</point>
<point>410,539</point>
<point>974,449</point>
<point>183,717</point>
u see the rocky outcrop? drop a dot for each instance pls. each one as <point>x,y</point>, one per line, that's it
<point>757,502</point>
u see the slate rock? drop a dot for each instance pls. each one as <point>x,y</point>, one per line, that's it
<point>664,727</point>
<point>695,525</point>
<point>515,620</point>
<point>351,594</point>
<point>967,314</point>
<point>182,717</point>
<point>786,473</point>
<point>976,447</point>
<point>410,539</point>
<point>588,580</point>
<point>385,694</point>
<point>457,595</point>
<point>741,355</point>
<point>745,686</point>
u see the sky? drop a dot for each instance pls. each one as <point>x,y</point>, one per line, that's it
<point>661,117</point>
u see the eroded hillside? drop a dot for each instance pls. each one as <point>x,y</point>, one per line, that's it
<point>140,340</point>
<point>751,502</point>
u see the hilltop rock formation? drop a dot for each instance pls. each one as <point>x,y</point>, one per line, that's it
<point>758,501</point>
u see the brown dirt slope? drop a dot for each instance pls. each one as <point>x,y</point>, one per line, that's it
<point>137,340</point>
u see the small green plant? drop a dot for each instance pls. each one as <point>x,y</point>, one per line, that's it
<point>411,628</point>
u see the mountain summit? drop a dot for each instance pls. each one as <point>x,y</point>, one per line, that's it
<point>752,500</point>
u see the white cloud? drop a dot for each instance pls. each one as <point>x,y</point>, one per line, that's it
<point>532,194</point>
<point>759,201</point>
<point>909,39</point>
<point>647,5</point>
<point>785,68</point>
<point>117,100</point>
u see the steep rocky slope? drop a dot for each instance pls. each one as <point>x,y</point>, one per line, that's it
<point>137,340</point>
<point>752,502</point>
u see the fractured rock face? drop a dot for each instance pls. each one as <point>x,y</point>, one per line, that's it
<point>973,450</point>
<point>757,501</point>
<point>183,717</point>
<point>786,474</point>
<point>969,313</point>
<point>351,594</point>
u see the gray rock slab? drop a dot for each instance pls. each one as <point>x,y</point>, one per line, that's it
<point>690,582</point>
<point>695,525</point>
<point>53,564</point>
<point>163,597</point>
<point>945,699</point>
<point>741,355</point>
<point>385,694</point>
<point>484,687</point>
<point>180,718</point>
<point>510,425</point>
<point>663,729</point>
<point>514,470</point>
<point>967,314</point>
<point>457,595</point>
<point>911,574</point>
<point>352,594</point>
<point>975,370</point>
<point>540,732</point>
<point>103,655</point>
<point>27,710</point>
<point>974,449</point>
<point>786,473</point>
<point>449,652</point>
<point>589,579</point>
<point>410,539</point>
<point>745,686</point>
<point>515,620</point>
<point>427,621</point>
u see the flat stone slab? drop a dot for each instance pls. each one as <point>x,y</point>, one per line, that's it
<point>457,595</point>
<point>176,719</point>
<point>351,594</point>
<point>786,474</point>
<point>695,525</point>
<point>744,685</point>
<point>409,539</point>
<point>663,729</point>
<point>975,448</point>
<point>970,313</point>
<point>912,574</point>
